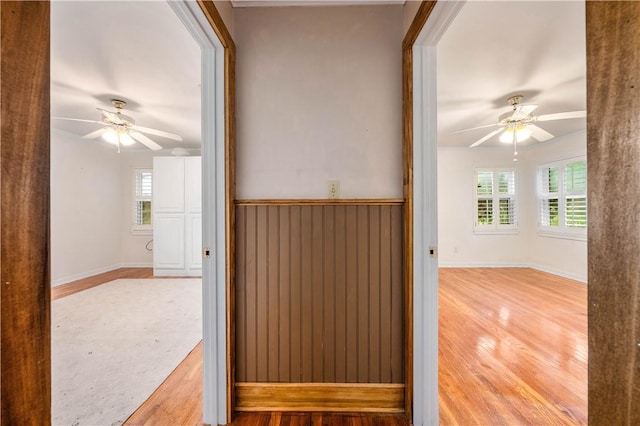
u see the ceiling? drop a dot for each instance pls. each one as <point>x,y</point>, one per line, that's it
<point>494,50</point>
<point>135,51</point>
<point>141,53</point>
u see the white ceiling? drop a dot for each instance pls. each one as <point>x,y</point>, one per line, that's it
<point>136,51</point>
<point>141,52</point>
<point>494,50</point>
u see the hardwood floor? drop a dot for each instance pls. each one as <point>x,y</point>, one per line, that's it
<point>513,347</point>
<point>513,351</point>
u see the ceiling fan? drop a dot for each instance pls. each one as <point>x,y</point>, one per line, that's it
<point>518,124</point>
<point>120,129</point>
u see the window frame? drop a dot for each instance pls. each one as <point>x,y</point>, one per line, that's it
<point>140,229</point>
<point>561,230</point>
<point>495,227</point>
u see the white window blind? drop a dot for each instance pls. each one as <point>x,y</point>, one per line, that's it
<point>143,184</point>
<point>496,203</point>
<point>562,197</point>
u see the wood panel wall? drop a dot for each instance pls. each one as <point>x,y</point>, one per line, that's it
<point>319,293</point>
<point>613,154</point>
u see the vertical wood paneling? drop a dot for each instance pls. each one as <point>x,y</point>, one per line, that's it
<point>241,294</point>
<point>306,304</point>
<point>352,294</point>
<point>321,293</point>
<point>273,293</point>
<point>295,266</point>
<point>262,299</point>
<point>284,295</point>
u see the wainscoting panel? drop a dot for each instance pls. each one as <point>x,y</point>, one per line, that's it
<point>319,292</point>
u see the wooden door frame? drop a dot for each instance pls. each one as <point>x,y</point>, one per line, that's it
<point>25,297</point>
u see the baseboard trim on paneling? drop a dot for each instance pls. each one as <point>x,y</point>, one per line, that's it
<point>546,269</point>
<point>75,277</point>
<point>326,397</point>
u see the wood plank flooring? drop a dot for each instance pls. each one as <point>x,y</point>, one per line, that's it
<point>513,350</point>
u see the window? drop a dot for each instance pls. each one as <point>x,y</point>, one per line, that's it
<point>495,196</point>
<point>562,198</point>
<point>143,184</point>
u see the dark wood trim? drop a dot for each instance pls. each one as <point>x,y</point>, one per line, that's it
<point>24,211</point>
<point>216,21</point>
<point>324,202</point>
<point>407,172</point>
<point>613,151</point>
<point>326,397</point>
<point>68,289</point>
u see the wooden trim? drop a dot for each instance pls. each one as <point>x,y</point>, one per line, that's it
<point>328,397</point>
<point>24,214</point>
<point>613,121</point>
<point>216,21</point>
<point>324,202</point>
<point>414,30</point>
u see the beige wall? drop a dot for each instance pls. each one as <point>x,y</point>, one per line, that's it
<point>409,12</point>
<point>319,98</point>
<point>226,12</point>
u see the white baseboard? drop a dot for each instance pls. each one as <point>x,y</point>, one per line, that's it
<point>137,265</point>
<point>553,271</point>
<point>481,265</point>
<point>560,273</point>
<point>75,277</point>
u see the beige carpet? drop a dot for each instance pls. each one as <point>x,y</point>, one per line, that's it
<point>114,344</point>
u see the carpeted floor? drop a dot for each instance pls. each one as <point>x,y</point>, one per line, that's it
<point>114,344</point>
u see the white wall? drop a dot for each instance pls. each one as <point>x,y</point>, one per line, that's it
<point>133,250</point>
<point>558,255</point>
<point>459,246</point>
<point>457,243</point>
<point>319,98</point>
<point>86,195</point>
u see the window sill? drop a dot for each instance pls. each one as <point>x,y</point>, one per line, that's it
<point>562,235</point>
<point>142,231</point>
<point>480,231</point>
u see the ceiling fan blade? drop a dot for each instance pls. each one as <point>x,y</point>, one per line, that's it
<point>96,134</point>
<point>77,119</point>
<point>523,111</point>
<point>145,141</point>
<point>475,128</point>
<point>111,116</point>
<point>562,115</point>
<point>159,133</point>
<point>540,134</point>
<point>486,137</point>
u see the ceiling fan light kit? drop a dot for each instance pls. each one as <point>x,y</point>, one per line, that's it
<point>518,125</point>
<point>121,130</point>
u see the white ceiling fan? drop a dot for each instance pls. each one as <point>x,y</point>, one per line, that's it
<point>518,124</point>
<point>120,129</point>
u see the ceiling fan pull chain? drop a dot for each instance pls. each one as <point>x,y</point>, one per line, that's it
<point>515,148</point>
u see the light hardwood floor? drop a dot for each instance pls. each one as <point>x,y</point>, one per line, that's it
<point>513,351</point>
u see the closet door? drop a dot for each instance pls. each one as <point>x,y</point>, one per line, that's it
<point>193,215</point>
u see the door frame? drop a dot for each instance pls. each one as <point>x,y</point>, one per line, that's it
<point>205,24</point>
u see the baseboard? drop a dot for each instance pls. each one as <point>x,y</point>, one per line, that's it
<point>326,397</point>
<point>75,277</point>
<point>560,273</point>
<point>137,265</point>
<point>553,271</point>
<point>481,265</point>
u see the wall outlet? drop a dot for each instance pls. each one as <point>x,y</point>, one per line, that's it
<point>333,188</point>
